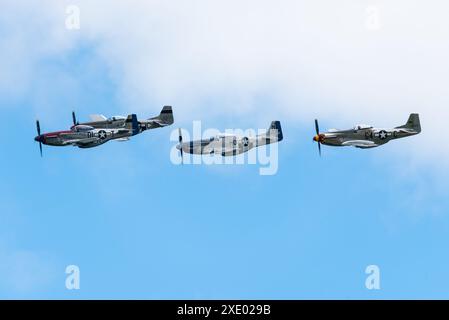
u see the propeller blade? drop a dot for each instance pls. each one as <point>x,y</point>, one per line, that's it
<point>74,118</point>
<point>180,145</point>
<point>317,129</point>
<point>180,135</point>
<point>38,128</point>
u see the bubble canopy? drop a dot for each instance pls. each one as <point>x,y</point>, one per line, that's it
<point>116,118</point>
<point>362,127</point>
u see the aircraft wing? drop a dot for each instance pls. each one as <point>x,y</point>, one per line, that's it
<point>97,117</point>
<point>360,143</point>
<point>226,149</point>
<point>120,131</point>
<point>81,142</point>
<point>226,144</point>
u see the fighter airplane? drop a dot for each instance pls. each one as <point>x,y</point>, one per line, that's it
<point>366,136</point>
<point>95,133</point>
<point>165,118</point>
<point>230,145</point>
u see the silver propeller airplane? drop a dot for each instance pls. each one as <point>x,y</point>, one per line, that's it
<point>366,136</point>
<point>93,134</point>
<point>230,145</point>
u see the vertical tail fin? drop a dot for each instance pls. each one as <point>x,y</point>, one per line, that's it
<point>275,131</point>
<point>166,116</point>
<point>413,123</point>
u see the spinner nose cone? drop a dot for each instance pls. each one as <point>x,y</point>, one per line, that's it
<point>178,146</point>
<point>39,138</point>
<point>319,138</point>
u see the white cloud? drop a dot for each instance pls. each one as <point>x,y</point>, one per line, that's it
<point>210,58</point>
<point>30,33</point>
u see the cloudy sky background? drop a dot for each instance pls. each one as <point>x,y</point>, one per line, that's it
<point>140,227</point>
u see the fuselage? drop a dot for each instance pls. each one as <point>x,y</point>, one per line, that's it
<point>83,139</point>
<point>231,145</point>
<point>51,138</point>
<point>225,145</point>
<point>120,123</point>
<point>362,137</point>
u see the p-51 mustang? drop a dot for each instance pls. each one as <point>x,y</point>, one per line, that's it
<point>230,145</point>
<point>95,133</point>
<point>165,118</point>
<point>365,136</point>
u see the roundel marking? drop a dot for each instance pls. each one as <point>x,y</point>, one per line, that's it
<point>102,134</point>
<point>383,135</point>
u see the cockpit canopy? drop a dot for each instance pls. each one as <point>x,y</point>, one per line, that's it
<point>82,128</point>
<point>362,127</point>
<point>225,136</point>
<point>116,118</point>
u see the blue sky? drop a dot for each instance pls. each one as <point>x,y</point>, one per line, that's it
<point>140,227</point>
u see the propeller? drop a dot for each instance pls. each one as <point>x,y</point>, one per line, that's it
<point>38,127</point>
<point>180,145</point>
<point>317,138</point>
<point>75,123</point>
